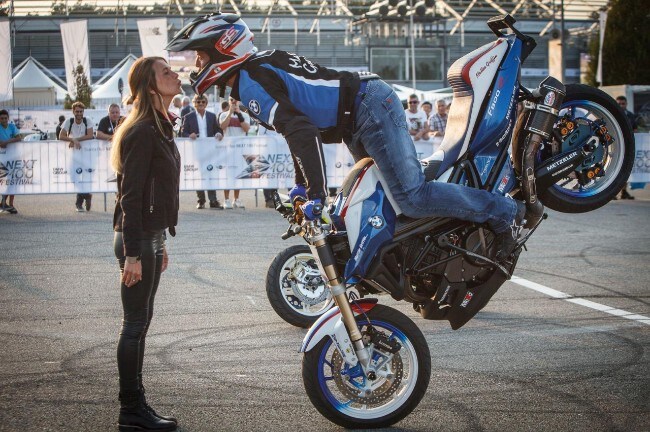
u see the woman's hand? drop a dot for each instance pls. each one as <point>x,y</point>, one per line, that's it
<point>132,273</point>
<point>165,262</point>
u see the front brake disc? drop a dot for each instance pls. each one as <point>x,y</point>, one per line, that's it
<point>379,393</point>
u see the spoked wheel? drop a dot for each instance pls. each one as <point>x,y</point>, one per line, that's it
<point>381,396</point>
<point>601,177</point>
<point>295,287</point>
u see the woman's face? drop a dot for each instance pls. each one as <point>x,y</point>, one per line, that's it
<point>166,80</point>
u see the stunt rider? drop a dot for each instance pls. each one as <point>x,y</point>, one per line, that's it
<point>311,105</point>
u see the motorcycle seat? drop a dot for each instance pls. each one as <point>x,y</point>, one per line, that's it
<point>462,115</point>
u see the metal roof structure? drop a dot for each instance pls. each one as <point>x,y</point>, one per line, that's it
<point>445,9</point>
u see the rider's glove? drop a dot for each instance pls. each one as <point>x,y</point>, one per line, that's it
<point>312,209</point>
<point>298,192</point>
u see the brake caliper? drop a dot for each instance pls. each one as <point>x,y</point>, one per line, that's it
<point>577,134</point>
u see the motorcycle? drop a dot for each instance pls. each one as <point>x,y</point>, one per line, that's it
<point>366,365</point>
<point>37,135</point>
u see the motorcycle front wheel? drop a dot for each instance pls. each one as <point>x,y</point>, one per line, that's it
<point>295,288</point>
<point>569,195</point>
<point>352,398</point>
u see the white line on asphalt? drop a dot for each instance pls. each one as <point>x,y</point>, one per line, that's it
<point>580,301</point>
<point>250,299</point>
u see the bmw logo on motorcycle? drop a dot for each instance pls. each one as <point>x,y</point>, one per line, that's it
<point>376,221</point>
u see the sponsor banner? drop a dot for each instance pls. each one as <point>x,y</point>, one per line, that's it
<point>42,167</point>
<point>641,169</point>
<point>52,167</point>
<point>235,163</point>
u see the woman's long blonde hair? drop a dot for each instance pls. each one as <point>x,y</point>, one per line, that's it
<point>142,79</point>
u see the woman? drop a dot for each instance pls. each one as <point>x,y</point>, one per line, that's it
<point>147,161</point>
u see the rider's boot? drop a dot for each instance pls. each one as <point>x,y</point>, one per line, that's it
<point>506,241</point>
<point>134,416</point>
<point>143,400</point>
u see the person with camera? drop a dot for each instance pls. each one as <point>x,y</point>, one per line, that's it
<point>234,123</point>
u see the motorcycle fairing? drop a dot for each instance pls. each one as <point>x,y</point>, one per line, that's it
<point>330,324</point>
<point>377,226</point>
<point>491,141</point>
<point>364,186</point>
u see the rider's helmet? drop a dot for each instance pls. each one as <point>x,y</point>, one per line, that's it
<point>225,38</point>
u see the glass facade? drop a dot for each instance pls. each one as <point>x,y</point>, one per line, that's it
<point>394,64</point>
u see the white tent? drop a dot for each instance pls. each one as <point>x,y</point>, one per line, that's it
<point>35,85</point>
<point>106,90</point>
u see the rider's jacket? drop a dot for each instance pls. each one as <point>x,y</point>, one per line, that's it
<point>305,102</point>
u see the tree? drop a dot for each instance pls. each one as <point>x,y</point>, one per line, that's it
<point>626,57</point>
<point>592,70</point>
<point>84,92</point>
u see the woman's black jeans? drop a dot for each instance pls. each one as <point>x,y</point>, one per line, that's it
<point>137,303</point>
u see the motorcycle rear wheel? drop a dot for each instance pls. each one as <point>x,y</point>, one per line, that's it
<point>295,288</point>
<point>347,397</point>
<point>567,195</point>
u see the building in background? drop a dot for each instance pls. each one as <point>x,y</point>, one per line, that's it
<point>344,35</point>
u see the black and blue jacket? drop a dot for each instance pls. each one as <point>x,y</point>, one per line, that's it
<point>306,103</point>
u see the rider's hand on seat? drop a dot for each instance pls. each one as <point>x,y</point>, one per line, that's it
<point>298,192</point>
<point>312,209</point>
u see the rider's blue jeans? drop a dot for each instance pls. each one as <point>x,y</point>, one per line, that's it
<point>381,132</point>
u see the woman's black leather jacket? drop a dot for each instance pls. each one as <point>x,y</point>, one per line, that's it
<point>147,188</point>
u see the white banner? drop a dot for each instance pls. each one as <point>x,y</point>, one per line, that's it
<point>75,50</point>
<point>641,169</point>
<point>6,91</point>
<point>233,163</point>
<point>44,167</point>
<point>153,37</point>
<point>51,167</point>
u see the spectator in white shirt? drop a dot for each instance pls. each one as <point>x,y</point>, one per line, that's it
<point>234,123</point>
<point>416,120</point>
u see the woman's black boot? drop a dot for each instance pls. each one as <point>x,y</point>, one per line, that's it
<point>148,408</point>
<point>134,416</point>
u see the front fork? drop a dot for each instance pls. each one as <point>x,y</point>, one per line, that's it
<point>322,252</point>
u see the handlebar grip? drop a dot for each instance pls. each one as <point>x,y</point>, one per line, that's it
<point>287,235</point>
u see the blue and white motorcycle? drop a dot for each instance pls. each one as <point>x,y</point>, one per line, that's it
<point>367,365</point>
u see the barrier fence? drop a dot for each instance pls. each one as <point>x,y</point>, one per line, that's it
<point>46,167</point>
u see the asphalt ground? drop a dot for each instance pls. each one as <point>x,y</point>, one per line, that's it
<point>220,359</point>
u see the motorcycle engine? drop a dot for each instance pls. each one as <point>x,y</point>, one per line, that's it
<point>441,267</point>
